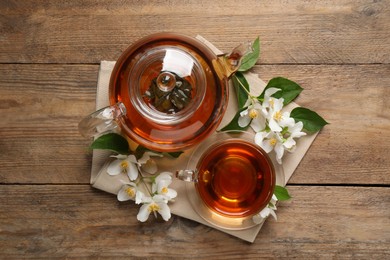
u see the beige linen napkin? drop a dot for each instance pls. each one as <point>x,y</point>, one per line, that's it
<point>182,206</point>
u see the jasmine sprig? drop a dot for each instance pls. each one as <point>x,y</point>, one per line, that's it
<point>135,164</point>
<point>280,194</point>
<point>288,91</point>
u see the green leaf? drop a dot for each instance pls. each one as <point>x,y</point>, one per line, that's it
<point>281,193</point>
<point>250,59</point>
<point>240,85</point>
<point>289,90</point>
<point>113,142</point>
<point>312,122</point>
<point>233,125</point>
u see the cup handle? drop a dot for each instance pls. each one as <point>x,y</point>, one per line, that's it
<point>102,120</point>
<point>187,175</point>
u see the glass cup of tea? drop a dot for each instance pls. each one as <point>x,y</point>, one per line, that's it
<point>229,179</point>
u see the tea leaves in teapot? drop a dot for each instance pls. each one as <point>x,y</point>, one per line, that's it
<point>172,101</point>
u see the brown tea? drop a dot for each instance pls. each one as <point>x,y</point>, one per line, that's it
<point>236,178</point>
<point>165,121</point>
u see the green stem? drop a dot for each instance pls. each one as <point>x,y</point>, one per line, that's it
<point>144,183</point>
<point>243,87</point>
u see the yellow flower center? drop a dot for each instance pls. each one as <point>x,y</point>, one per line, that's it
<point>273,141</point>
<point>278,115</point>
<point>124,166</point>
<point>271,102</point>
<point>253,113</point>
<point>164,190</point>
<point>130,192</point>
<point>153,207</point>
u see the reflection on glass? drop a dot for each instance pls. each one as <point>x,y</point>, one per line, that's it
<point>178,62</point>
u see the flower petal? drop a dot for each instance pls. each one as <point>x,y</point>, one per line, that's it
<point>143,213</point>
<point>244,112</point>
<point>159,198</point>
<point>115,167</point>
<point>279,149</point>
<point>287,120</point>
<point>132,171</point>
<point>164,176</point>
<point>146,199</point>
<point>119,156</point>
<point>244,121</point>
<point>138,197</point>
<point>147,156</point>
<point>267,147</point>
<point>163,180</point>
<point>274,126</point>
<point>272,212</point>
<point>123,195</point>
<point>258,124</point>
<point>259,137</point>
<point>261,141</point>
<point>296,130</point>
<point>164,211</point>
<point>171,194</point>
<point>289,143</point>
<point>150,166</point>
<point>278,104</point>
<point>257,219</point>
<point>265,212</point>
<point>270,91</point>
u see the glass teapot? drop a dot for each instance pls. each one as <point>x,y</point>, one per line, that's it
<point>167,92</point>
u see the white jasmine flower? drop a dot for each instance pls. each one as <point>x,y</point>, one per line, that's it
<point>275,115</point>
<point>269,210</point>
<point>160,186</point>
<point>271,141</point>
<point>129,165</point>
<point>252,115</point>
<point>285,120</point>
<point>147,163</point>
<point>268,100</point>
<point>155,204</point>
<point>272,109</point>
<point>294,131</point>
<point>130,191</point>
<point>124,164</point>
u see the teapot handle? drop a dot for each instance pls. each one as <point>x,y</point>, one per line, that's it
<point>102,120</point>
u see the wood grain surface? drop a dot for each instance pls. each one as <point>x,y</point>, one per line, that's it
<point>78,31</point>
<point>338,51</point>
<point>76,221</point>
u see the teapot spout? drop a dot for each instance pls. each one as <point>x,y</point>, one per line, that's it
<point>230,63</point>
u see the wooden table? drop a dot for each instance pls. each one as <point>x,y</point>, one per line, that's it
<point>337,50</point>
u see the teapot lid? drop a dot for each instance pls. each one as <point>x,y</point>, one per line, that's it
<point>171,91</point>
<point>166,84</point>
